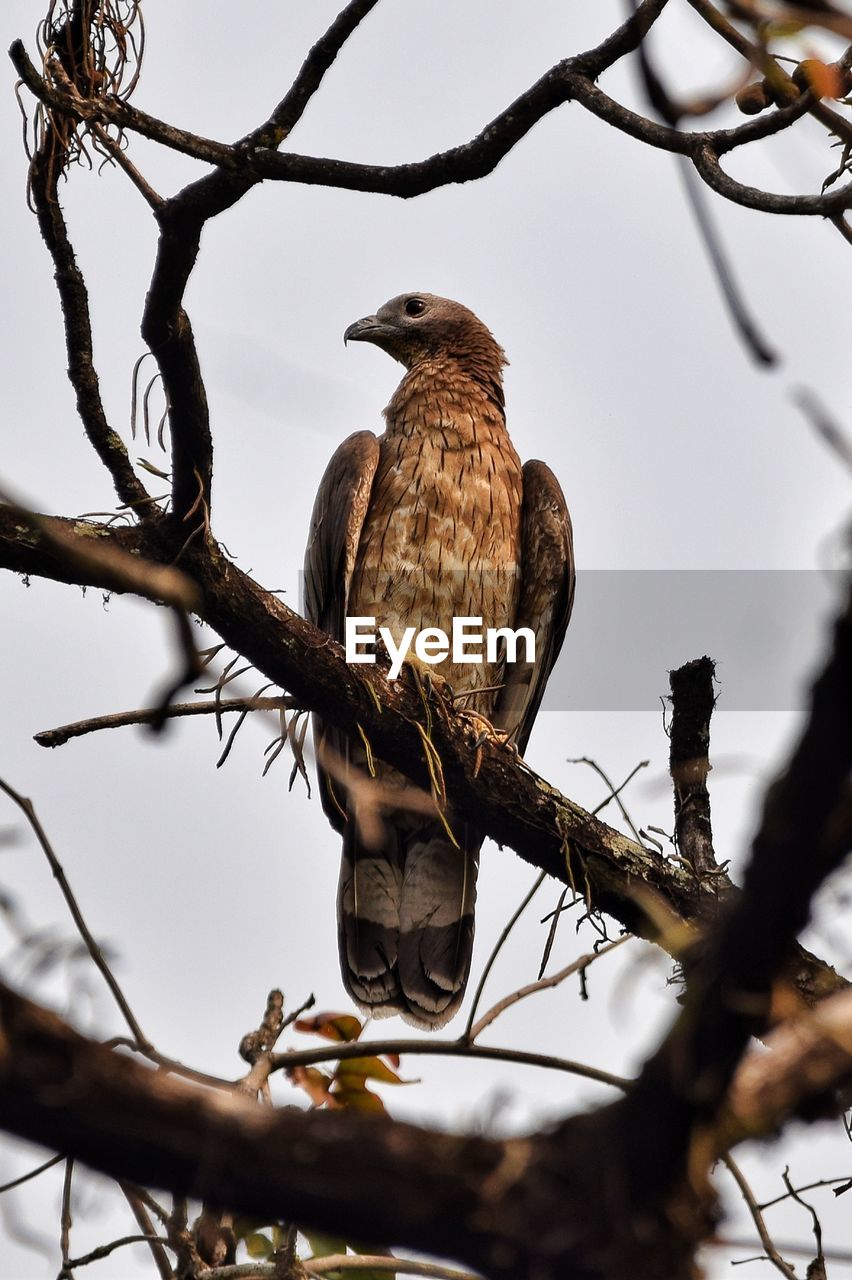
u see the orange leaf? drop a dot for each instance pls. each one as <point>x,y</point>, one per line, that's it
<point>331,1026</point>
<point>823,78</point>
<point>315,1083</point>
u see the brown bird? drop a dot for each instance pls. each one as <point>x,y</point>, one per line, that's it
<point>433,520</point>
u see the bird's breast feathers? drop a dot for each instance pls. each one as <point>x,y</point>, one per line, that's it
<point>442,537</point>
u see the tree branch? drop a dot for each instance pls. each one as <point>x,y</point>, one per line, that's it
<point>692,700</point>
<point>836,202</point>
<point>805,833</point>
<point>240,166</point>
<point>74,297</point>
<point>515,806</point>
<point>292,106</point>
<point>94,950</point>
<point>150,715</point>
<point>615,1192</point>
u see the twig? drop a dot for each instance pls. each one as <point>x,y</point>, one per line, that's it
<point>124,162</point>
<point>614,791</point>
<point>744,323</point>
<point>321,57</point>
<point>757,1217</point>
<point>817,1225</point>
<point>121,719</point>
<point>343,1262</point>
<point>66,1221</point>
<point>578,965</point>
<point>840,223</point>
<point>460,1048</point>
<point>139,1202</point>
<point>33,1173</point>
<point>824,425</point>
<point>556,914</point>
<point>843,1256</point>
<point>513,920</point>
<point>104,1250</point>
<point>256,1047</point>
<point>97,955</point>
<point>378,1262</point>
<point>809,1186</point>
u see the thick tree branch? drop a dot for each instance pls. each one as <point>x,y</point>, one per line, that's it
<point>805,833</point>
<point>73,294</point>
<point>359,1174</point>
<point>810,1058</point>
<point>612,1193</point>
<point>836,202</point>
<point>348,1173</point>
<point>516,807</point>
<point>241,165</point>
<point>167,330</point>
<point>692,699</point>
<point>292,106</point>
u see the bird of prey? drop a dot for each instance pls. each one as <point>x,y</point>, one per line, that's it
<point>432,520</point>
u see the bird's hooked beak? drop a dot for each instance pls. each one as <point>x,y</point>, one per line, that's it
<point>367,329</point>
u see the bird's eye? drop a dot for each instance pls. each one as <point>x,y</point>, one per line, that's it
<point>415,307</point>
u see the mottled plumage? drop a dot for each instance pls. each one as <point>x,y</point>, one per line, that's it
<point>435,519</point>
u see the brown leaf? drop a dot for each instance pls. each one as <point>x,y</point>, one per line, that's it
<point>359,1099</point>
<point>351,1069</point>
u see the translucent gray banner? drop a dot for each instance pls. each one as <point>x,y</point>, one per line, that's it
<point>766,630</point>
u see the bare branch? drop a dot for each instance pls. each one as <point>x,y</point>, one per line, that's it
<point>342,1262</point>
<point>378,1262</point>
<point>692,699</point>
<point>460,1048</point>
<point>824,425</point>
<point>155,1243</point>
<point>241,166</point>
<point>744,322</point>
<point>85,933</point>
<point>834,202</point>
<point>811,1057</point>
<point>74,297</point>
<point>498,946</point>
<point>104,1250</point>
<point>769,1247</point>
<point>292,106</point>
<point>148,715</point>
<point>576,966</point>
<point>33,1173</point>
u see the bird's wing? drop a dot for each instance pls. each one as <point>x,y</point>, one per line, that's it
<point>546,598</point>
<point>335,530</point>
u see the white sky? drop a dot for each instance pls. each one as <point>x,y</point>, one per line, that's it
<point>673,450</point>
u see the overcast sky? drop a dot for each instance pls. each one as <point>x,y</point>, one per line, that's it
<point>674,451</point>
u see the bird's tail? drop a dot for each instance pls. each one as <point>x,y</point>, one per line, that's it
<point>406,921</point>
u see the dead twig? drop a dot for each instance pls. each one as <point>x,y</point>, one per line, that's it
<point>97,955</point>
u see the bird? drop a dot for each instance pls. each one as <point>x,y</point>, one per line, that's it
<point>431,520</point>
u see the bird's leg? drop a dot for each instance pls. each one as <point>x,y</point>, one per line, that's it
<point>426,679</point>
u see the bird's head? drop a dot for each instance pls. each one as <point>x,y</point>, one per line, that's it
<point>419,326</point>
